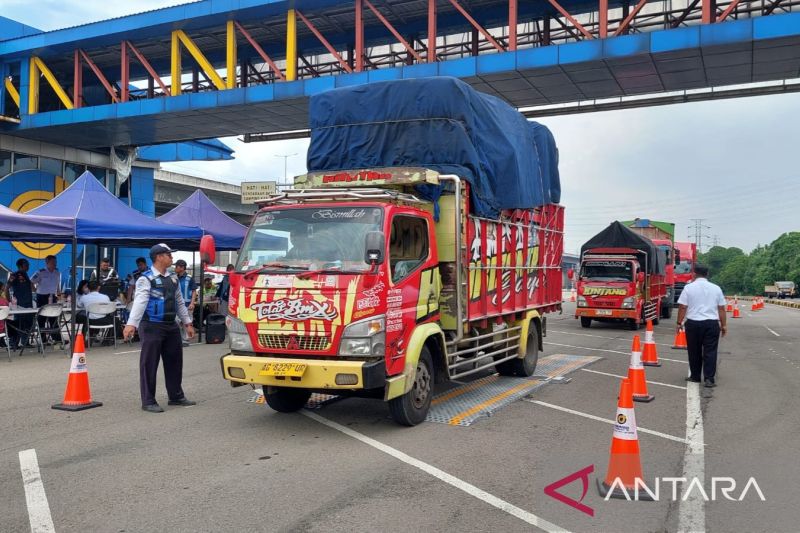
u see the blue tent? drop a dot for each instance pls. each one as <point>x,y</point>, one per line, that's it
<point>15,225</point>
<point>99,217</point>
<point>200,212</point>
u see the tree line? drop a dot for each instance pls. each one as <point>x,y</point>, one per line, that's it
<point>740,273</point>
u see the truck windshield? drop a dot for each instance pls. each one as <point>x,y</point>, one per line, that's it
<point>684,267</point>
<point>607,271</point>
<point>309,239</point>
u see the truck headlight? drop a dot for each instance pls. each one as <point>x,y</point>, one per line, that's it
<point>582,301</point>
<point>629,302</point>
<point>239,338</point>
<point>365,338</point>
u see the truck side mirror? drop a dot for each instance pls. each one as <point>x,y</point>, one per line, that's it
<point>640,277</point>
<point>208,249</point>
<point>374,247</point>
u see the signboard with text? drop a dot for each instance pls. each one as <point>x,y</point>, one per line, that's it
<point>252,191</point>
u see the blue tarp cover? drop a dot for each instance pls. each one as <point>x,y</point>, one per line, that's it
<point>199,211</point>
<point>442,124</point>
<point>102,218</point>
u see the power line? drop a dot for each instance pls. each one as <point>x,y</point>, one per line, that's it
<point>697,224</point>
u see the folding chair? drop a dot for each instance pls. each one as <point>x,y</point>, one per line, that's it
<point>53,315</point>
<point>4,312</point>
<point>106,309</point>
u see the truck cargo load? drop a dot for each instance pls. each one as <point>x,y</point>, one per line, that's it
<point>441,124</point>
<point>616,235</point>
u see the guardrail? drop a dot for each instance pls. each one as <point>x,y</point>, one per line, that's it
<point>782,303</point>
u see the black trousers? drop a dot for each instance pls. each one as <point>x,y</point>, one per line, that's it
<point>702,340</point>
<point>160,341</point>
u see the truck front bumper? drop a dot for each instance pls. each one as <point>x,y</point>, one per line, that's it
<point>605,313</point>
<point>318,374</point>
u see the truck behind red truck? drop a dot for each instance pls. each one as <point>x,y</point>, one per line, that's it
<point>687,257</point>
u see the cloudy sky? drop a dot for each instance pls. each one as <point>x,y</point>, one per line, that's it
<point>732,162</point>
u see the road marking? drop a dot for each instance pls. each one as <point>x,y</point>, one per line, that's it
<point>612,351</point>
<point>772,331</point>
<point>456,420</point>
<point>461,485</point>
<point>691,512</point>
<point>131,351</point>
<point>623,377</point>
<point>607,421</point>
<point>38,508</point>
<point>598,336</point>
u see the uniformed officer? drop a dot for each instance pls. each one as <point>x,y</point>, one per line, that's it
<point>20,293</point>
<point>157,303</point>
<point>48,285</point>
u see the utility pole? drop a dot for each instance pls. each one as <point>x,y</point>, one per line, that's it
<point>699,227</point>
<point>715,241</point>
<point>285,166</point>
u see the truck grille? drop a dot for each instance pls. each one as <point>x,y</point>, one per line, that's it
<point>304,342</point>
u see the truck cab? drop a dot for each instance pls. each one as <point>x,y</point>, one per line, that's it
<point>610,288</point>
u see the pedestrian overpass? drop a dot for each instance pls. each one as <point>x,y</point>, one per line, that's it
<point>217,68</point>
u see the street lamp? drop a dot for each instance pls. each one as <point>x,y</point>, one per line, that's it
<point>285,163</point>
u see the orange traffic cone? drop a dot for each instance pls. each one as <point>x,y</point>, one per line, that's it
<point>680,338</point>
<point>729,309</point>
<point>572,295</point>
<point>624,464</point>
<point>761,303</point>
<point>636,373</point>
<point>77,397</point>
<point>754,306</point>
<point>736,312</point>
<point>650,354</point>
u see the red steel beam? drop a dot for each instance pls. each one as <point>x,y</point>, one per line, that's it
<point>324,42</point>
<point>77,89</point>
<point>728,10</point>
<point>709,9</point>
<point>570,18</point>
<point>148,67</point>
<point>97,72</point>
<point>512,25</point>
<point>630,16</point>
<point>260,51</point>
<point>408,47</point>
<point>477,26</point>
<point>431,31</point>
<point>125,61</point>
<point>603,19</point>
<point>359,51</point>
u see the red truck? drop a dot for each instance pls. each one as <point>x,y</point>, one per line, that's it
<point>622,278</point>
<point>662,234</point>
<point>379,282</point>
<point>687,257</point>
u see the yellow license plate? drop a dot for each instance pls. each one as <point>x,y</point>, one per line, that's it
<point>602,312</point>
<point>294,370</point>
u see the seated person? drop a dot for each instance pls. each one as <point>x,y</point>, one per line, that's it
<point>94,296</point>
<point>209,295</point>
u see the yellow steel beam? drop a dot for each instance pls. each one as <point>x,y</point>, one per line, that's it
<point>231,55</point>
<point>201,60</point>
<point>38,67</point>
<point>291,45</point>
<point>12,91</point>
<point>176,65</point>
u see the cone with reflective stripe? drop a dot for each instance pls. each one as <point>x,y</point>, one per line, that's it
<point>650,353</point>
<point>729,309</point>
<point>77,397</point>
<point>736,312</point>
<point>680,338</point>
<point>624,464</point>
<point>754,305</point>
<point>572,295</point>
<point>636,374</point>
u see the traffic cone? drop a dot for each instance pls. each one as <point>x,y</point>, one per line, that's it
<point>624,463</point>
<point>680,337</point>
<point>572,295</point>
<point>650,354</point>
<point>729,309</point>
<point>761,303</point>
<point>636,374</point>
<point>736,312</point>
<point>77,396</point>
<point>754,306</point>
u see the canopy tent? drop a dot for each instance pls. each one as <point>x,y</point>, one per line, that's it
<point>32,228</point>
<point>198,211</point>
<point>99,217</point>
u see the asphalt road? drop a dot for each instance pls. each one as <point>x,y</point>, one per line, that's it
<point>229,464</point>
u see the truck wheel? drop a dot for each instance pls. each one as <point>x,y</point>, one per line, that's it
<point>284,399</point>
<point>412,407</point>
<point>666,311</point>
<point>586,322</point>
<point>633,324</point>
<point>526,366</point>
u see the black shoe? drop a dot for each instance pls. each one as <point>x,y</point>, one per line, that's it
<point>153,408</point>
<point>710,384</point>
<point>185,344</point>
<point>693,380</point>
<point>183,401</point>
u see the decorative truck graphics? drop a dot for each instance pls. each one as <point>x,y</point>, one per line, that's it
<point>379,282</point>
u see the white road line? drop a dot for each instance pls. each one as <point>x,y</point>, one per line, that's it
<point>131,351</point>
<point>772,331</point>
<point>691,512</point>
<point>599,336</point>
<point>607,421</point>
<point>612,351</point>
<point>623,377</point>
<point>470,489</point>
<point>38,508</point>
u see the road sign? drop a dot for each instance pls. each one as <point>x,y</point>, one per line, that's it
<point>252,191</point>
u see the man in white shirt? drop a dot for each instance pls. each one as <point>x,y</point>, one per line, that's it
<point>702,304</point>
<point>93,297</point>
<point>48,286</point>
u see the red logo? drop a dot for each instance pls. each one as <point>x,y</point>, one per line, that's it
<point>292,344</point>
<point>583,475</point>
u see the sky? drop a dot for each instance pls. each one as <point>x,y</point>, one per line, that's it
<point>732,163</point>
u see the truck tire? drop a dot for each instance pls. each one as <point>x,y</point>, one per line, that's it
<point>412,407</point>
<point>586,322</point>
<point>666,311</point>
<point>526,366</point>
<point>633,324</point>
<point>285,399</point>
